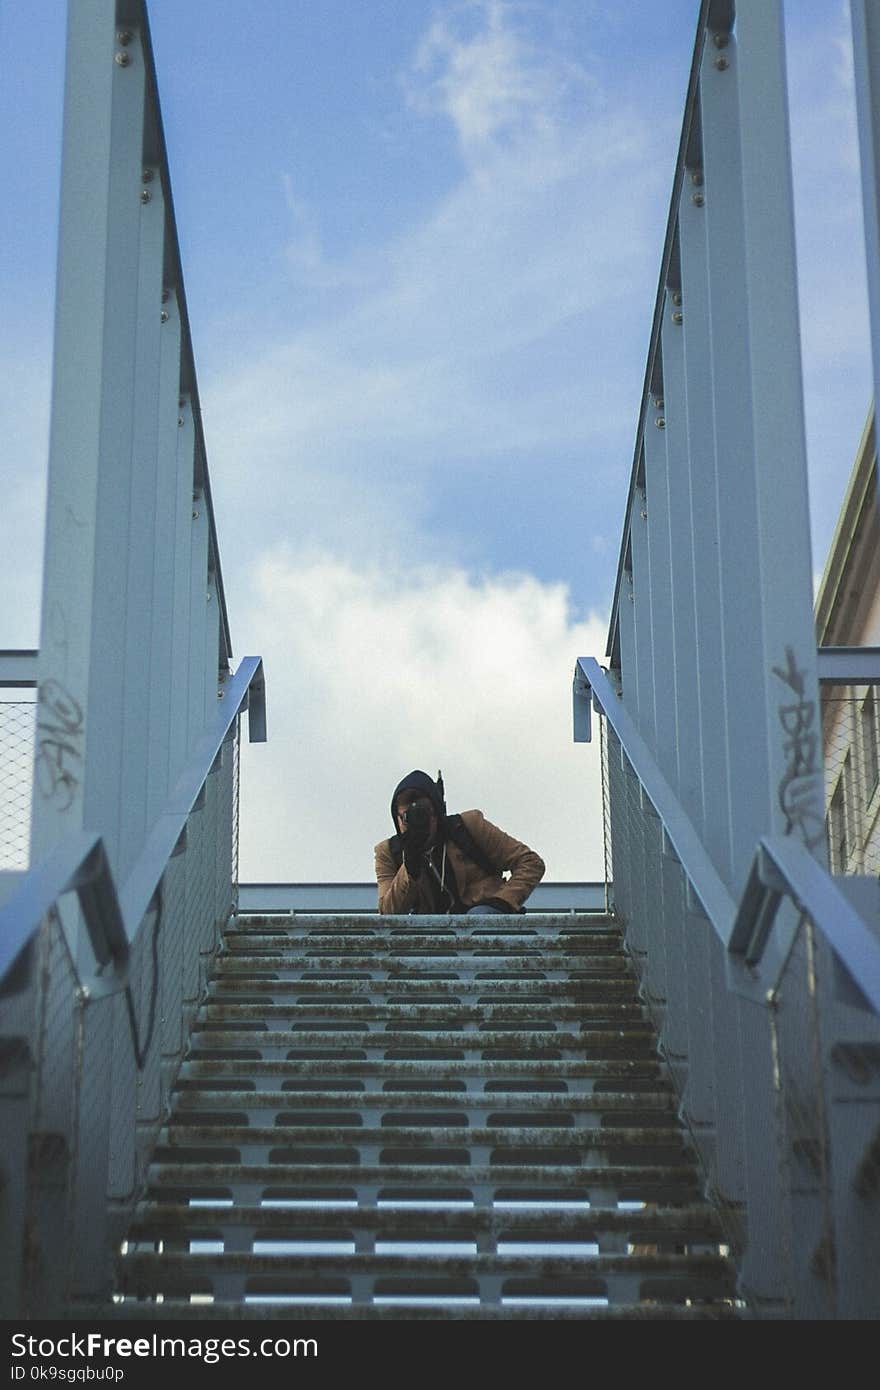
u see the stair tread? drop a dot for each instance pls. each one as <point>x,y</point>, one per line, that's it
<point>543,1100</point>
<point>476,1263</point>
<point>497,1011</point>
<point>571,1136</point>
<point>224,1310</point>
<point>648,1068</point>
<point>694,1221</point>
<point>559,1174</point>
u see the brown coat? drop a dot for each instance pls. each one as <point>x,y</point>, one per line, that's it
<point>399,893</point>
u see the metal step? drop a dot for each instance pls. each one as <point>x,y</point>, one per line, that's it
<point>416,1118</point>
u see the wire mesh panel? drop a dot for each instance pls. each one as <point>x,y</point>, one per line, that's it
<point>17,724</point>
<point>805,1227</point>
<point>56,1121</point>
<point>851,735</point>
<point>677,954</point>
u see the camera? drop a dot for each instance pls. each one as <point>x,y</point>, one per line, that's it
<point>418,816</point>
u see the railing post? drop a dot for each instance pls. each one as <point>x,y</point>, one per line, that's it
<point>710,802</point>
<point>164,674</point>
<point>768,639</point>
<point>686,711</point>
<point>640,680</point>
<point>659,598</point>
<point>86,596</point>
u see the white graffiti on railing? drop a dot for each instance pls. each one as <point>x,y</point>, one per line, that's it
<point>799,788</point>
<point>59,736</point>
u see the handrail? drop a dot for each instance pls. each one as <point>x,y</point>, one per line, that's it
<point>705,881</point>
<point>79,863</point>
<point>163,839</point>
<point>166,834</point>
<point>782,867</point>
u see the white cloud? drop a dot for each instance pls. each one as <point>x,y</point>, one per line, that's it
<point>478,66</point>
<point>306,258</point>
<point>372,672</point>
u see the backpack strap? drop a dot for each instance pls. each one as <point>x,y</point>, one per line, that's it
<point>458,833</point>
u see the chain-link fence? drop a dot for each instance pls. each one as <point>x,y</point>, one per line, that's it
<point>851,737</point>
<point>17,725</point>
<point>782,1096</point>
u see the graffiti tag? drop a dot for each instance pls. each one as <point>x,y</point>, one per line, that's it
<point>799,788</point>
<point>59,736</point>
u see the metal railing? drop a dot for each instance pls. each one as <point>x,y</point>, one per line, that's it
<point>793,968</point>
<point>110,917</point>
<point>761,969</point>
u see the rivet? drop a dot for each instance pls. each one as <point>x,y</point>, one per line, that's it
<point>180,421</point>
<point>678,316</point>
<point>658,401</point>
<point>660,422</point>
<point>123,37</point>
<point>721,40</point>
<point>219,694</point>
<point>698,200</point>
<point>164,316</point>
<point>697,178</point>
<point>146,195</point>
<point>147,176</point>
<point>644,516</point>
<point>676,296</point>
<point>195,514</point>
<point>166,295</point>
<point>721,64</point>
<point>123,59</point>
<point>208,596</point>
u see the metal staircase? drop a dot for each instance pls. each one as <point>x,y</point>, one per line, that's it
<point>424,1118</point>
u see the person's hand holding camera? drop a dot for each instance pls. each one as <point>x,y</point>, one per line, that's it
<point>416,837</point>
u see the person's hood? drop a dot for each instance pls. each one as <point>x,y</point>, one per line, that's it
<point>425,784</point>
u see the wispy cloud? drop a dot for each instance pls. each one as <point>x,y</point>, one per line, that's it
<point>306,259</point>
<point>481,66</point>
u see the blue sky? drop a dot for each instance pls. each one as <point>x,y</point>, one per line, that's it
<point>420,244</point>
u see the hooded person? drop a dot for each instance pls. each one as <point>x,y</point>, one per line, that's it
<point>441,863</point>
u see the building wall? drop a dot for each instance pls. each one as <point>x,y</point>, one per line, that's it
<point>848,615</point>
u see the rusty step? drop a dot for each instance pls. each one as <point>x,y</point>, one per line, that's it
<point>425,1118</point>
